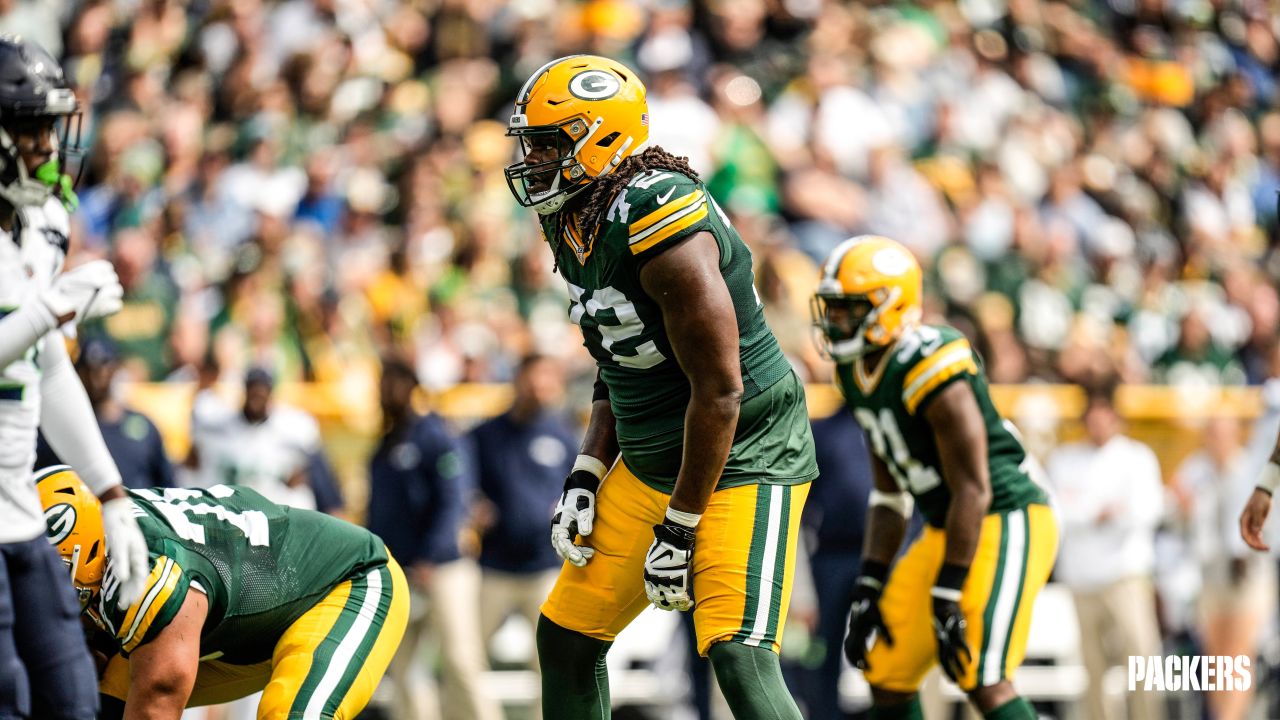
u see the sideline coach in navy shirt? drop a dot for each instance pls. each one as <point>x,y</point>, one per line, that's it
<point>419,496</point>
<point>521,459</point>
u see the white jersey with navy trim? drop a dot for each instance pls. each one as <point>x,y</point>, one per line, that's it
<point>28,265</point>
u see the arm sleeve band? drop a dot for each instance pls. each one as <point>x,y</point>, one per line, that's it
<point>68,420</point>
<point>21,329</point>
<point>1270,479</point>
<point>591,465</point>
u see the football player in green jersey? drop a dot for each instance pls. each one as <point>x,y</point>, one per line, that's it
<point>962,594</point>
<point>700,512</point>
<point>243,596</point>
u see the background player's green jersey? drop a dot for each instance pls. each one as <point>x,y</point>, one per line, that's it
<point>261,565</point>
<point>924,361</point>
<point>623,329</point>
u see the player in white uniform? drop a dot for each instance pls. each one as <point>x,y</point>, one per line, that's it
<point>45,667</point>
<point>265,446</point>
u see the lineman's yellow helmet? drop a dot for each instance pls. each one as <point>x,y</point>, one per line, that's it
<point>869,293</point>
<point>73,517</point>
<point>577,118</point>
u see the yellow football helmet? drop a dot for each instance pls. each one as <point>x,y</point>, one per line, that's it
<point>577,118</point>
<point>869,294</point>
<point>73,517</point>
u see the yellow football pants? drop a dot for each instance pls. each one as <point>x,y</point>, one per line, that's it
<point>326,665</point>
<point>742,561</point>
<point>1016,551</point>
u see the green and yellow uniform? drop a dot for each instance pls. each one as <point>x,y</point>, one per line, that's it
<point>771,461</point>
<point>1019,536</point>
<point>303,605</point>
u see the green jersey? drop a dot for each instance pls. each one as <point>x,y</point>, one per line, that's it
<point>623,329</point>
<point>261,565</point>
<point>890,407</point>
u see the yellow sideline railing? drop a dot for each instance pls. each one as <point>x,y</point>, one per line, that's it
<point>1169,419</point>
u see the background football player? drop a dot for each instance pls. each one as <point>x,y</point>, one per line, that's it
<point>702,510</point>
<point>40,646</point>
<point>990,537</point>
<point>243,595</point>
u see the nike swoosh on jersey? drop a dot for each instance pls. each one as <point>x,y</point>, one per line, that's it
<point>664,197</point>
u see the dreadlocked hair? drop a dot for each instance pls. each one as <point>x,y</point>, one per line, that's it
<point>654,158</point>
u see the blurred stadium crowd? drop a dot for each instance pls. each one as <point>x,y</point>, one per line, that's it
<point>301,184</point>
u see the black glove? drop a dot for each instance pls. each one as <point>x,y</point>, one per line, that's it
<point>948,622</point>
<point>864,616</point>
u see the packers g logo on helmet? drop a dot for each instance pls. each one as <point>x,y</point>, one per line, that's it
<point>577,119</point>
<point>61,520</point>
<point>594,85</point>
<point>73,519</point>
<point>868,295</point>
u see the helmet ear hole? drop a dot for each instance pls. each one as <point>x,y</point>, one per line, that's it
<point>93,551</point>
<point>607,140</point>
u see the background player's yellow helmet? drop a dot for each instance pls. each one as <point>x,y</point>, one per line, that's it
<point>577,118</point>
<point>869,293</point>
<point>73,517</point>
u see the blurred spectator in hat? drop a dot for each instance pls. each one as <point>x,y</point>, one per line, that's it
<point>132,439</point>
<point>267,446</point>
<point>1196,358</point>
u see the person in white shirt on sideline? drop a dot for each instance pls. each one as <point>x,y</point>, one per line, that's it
<point>1111,500</point>
<point>45,667</point>
<point>265,446</point>
<point>1237,587</point>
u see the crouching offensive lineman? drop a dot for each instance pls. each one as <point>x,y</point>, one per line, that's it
<point>244,595</point>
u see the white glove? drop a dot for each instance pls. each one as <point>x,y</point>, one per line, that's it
<point>85,292</point>
<point>127,548</point>
<point>667,581</point>
<point>575,515</point>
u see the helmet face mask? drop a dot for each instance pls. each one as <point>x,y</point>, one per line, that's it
<point>549,172</point>
<point>869,294</point>
<point>577,118</point>
<point>40,126</point>
<point>844,324</point>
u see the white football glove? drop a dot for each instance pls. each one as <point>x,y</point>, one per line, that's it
<point>128,549</point>
<point>667,579</point>
<point>575,515</point>
<point>84,293</point>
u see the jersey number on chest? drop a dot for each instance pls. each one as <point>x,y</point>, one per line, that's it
<point>889,445</point>
<point>620,327</point>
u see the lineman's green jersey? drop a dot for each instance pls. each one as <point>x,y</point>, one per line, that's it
<point>623,329</point>
<point>924,361</point>
<point>261,565</point>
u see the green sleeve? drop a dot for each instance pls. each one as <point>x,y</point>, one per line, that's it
<point>165,591</point>
<point>658,209</point>
<point>934,357</point>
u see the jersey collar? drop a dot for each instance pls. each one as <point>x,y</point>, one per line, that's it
<point>868,382</point>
